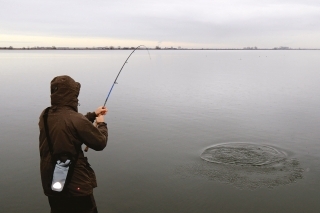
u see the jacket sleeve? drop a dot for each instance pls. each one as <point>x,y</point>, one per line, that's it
<point>94,137</point>
<point>91,116</point>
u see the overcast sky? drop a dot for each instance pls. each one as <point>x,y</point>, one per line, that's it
<point>185,23</point>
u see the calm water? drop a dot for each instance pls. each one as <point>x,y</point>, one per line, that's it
<point>162,115</point>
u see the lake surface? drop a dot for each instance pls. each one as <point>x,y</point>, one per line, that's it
<point>163,114</point>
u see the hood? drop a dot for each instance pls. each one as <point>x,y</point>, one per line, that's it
<point>64,92</point>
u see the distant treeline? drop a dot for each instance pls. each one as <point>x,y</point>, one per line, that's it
<point>155,48</point>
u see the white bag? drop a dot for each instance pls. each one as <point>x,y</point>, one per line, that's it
<point>60,175</point>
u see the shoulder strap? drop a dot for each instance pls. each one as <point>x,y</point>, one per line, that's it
<point>45,120</point>
<point>72,165</point>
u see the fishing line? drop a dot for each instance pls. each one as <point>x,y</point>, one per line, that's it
<point>115,80</point>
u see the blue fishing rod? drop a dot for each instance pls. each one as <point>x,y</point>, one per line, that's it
<point>115,80</point>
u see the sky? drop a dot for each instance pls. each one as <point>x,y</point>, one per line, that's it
<point>164,23</point>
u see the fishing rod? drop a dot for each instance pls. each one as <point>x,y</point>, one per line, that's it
<point>115,80</point>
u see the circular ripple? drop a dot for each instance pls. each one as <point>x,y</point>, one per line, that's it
<point>243,154</point>
<point>244,165</point>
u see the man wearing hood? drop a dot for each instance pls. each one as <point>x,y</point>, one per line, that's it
<point>68,130</point>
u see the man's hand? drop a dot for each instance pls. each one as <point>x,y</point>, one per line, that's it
<point>100,118</point>
<point>101,111</point>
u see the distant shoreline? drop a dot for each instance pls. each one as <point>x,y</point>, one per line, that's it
<point>66,48</point>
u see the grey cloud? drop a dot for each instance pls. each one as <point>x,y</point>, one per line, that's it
<point>200,21</point>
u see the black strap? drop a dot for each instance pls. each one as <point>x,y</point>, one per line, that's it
<point>72,165</point>
<point>45,120</point>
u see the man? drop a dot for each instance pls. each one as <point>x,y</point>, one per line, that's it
<point>68,130</point>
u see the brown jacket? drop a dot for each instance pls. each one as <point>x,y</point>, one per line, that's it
<point>68,130</point>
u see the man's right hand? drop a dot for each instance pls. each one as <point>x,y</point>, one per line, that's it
<point>101,110</point>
